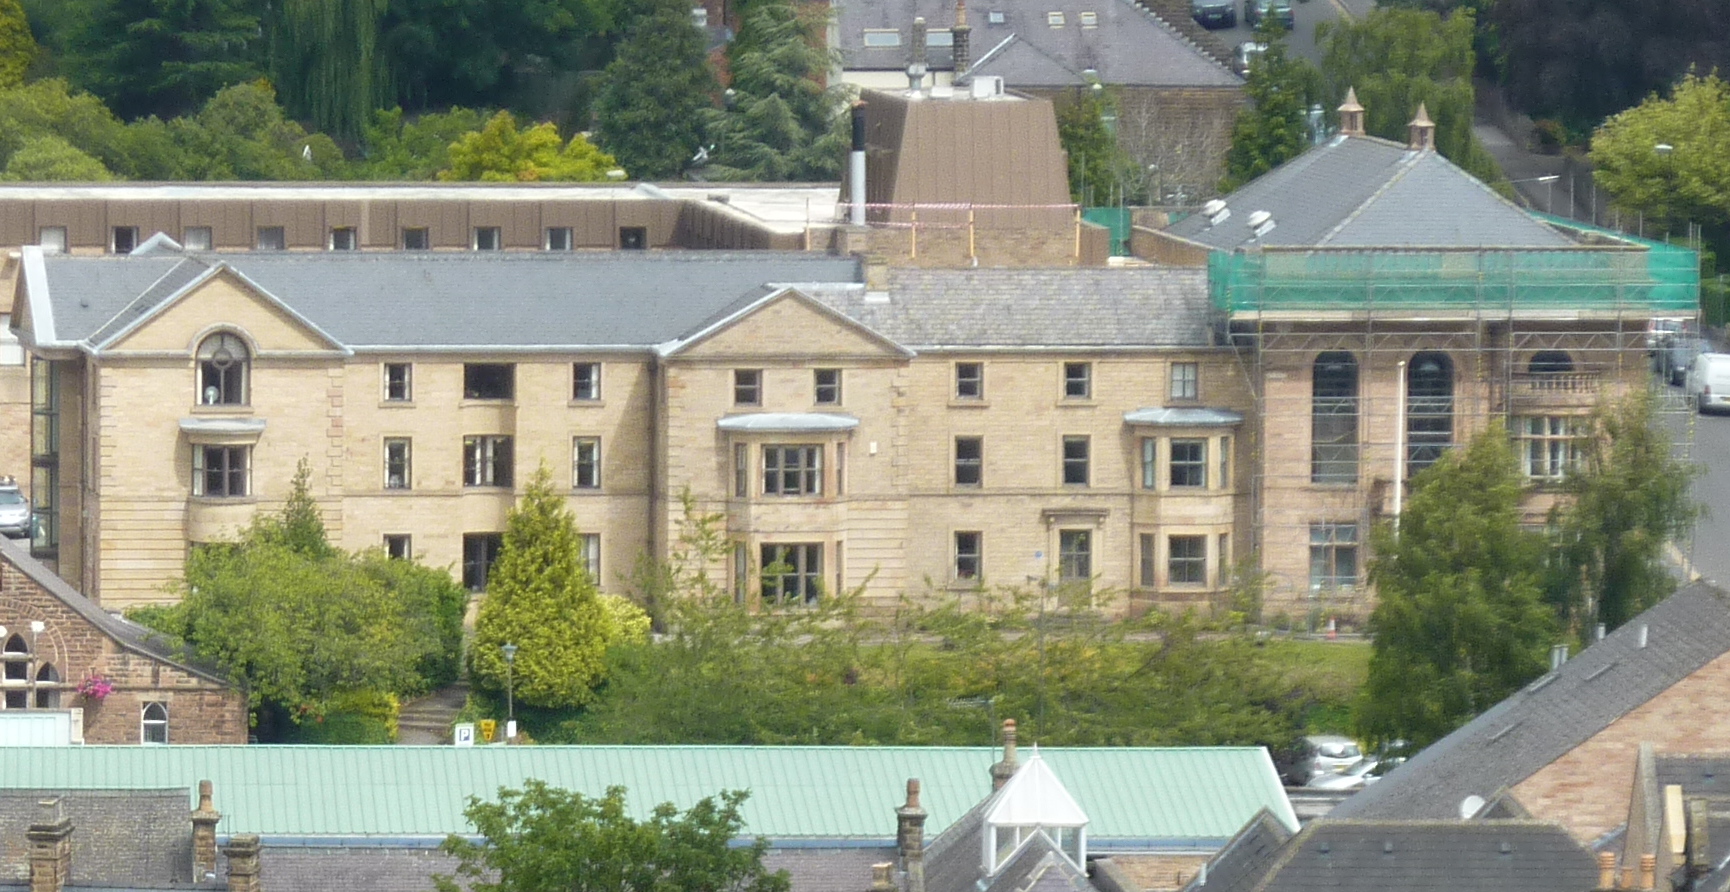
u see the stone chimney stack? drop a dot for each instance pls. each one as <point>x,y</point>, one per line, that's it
<point>883,878</point>
<point>1699,841</point>
<point>243,869</point>
<point>204,820</point>
<point>962,35</point>
<point>1351,114</point>
<point>910,837</point>
<point>1004,770</point>
<point>1421,137</point>
<point>917,56</point>
<point>1606,870</point>
<point>50,837</point>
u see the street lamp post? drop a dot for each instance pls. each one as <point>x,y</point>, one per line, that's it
<point>510,652</point>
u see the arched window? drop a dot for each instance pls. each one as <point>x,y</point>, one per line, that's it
<point>1429,410</point>
<point>17,657</point>
<point>154,724</point>
<point>1334,419</point>
<point>1550,362</point>
<point>47,687</point>
<point>223,362</point>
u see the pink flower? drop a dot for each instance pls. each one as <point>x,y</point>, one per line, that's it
<point>96,687</point>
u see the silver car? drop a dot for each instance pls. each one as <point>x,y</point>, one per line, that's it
<point>1327,754</point>
<point>14,510</point>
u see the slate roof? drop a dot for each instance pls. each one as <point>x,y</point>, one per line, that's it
<point>1357,192</point>
<point>1427,856</point>
<point>129,635</point>
<point>1068,307</point>
<point>1130,46</point>
<point>1556,713</point>
<point>477,301</point>
<point>1240,863</point>
<point>1136,797</point>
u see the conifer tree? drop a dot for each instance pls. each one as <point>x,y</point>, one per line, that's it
<point>655,94</point>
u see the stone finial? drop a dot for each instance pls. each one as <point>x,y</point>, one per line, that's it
<point>243,866</point>
<point>1421,131</point>
<point>204,821</point>
<point>50,836</point>
<point>1648,871</point>
<point>1004,770</point>
<point>1351,114</point>
<point>1606,870</point>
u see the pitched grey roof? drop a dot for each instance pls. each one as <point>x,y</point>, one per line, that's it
<point>952,860</point>
<point>1129,46</point>
<point>472,301</point>
<point>829,870</point>
<point>136,838</point>
<point>1242,862</point>
<point>1367,192</point>
<point>1069,307</point>
<point>1429,856</point>
<point>1556,713</point>
<point>129,635</point>
<point>373,868</point>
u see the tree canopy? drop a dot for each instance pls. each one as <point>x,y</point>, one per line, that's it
<point>780,124</point>
<point>1460,621</point>
<point>546,839</point>
<point>1690,182</point>
<point>656,94</point>
<point>17,46</point>
<point>501,152</point>
<point>1398,58</point>
<point>1273,128</point>
<point>542,599</point>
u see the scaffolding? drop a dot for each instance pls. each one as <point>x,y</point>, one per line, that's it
<point>1535,337</point>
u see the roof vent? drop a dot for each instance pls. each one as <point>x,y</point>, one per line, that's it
<point>1643,628</point>
<point>1387,847</point>
<point>1216,212</point>
<point>1470,806</point>
<point>1261,223</point>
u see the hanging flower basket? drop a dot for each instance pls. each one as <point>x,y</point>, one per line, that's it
<point>96,687</point>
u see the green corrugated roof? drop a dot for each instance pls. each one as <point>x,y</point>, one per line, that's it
<point>796,792</point>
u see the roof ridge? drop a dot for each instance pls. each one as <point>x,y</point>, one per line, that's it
<point>1402,168</point>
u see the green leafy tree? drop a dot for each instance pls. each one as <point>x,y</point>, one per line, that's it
<point>1630,498</point>
<point>540,598</point>
<point>299,624</point>
<point>399,148</point>
<point>326,59</point>
<point>1094,158</point>
<point>1460,620</point>
<point>1273,128</point>
<point>48,158</point>
<point>17,46</point>
<point>545,839</point>
<point>50,108</point>
<point>1691,182</point>
<point>655,94</point>
<point>500,152</point>
<point>242,134</point>
<point>162,57</point>
<point>780,123</point>
<point>1397,58</point>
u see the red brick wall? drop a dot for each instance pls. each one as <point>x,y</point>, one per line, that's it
<point>1587,790</point>
<point>199,710</point>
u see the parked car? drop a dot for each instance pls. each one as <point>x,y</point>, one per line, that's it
<point>1679,356</point>
<point>1355,777</point>
<point>1660,331</point>
<point>1708,381</point>
<point>1279,10</point>
<point>1213,13</point>
<point>1246,54</point>
<point>1322,754</point>
<point>14,510</point>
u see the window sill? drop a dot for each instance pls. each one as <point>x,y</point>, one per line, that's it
<point>396,404</point>
<point>222,409</point>
<point>963,403</point>
<point>489,487</point>
<point>587,491</point>
<point>398,490</point>
<point>586,404</point>
<point>1182,401</point>
<point>1075,403</point>
<point>222,500</point>
<point>487,401</point>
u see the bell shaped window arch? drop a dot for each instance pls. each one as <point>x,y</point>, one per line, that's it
<point>1334,418</point>
<point>1429,410</point>
<point>224,370</point>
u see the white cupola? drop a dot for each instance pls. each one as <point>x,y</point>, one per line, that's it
<point>1034,802</point>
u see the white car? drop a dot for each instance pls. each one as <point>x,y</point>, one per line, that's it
<point>1708,382</point>
<point>14,510</point>
<point>1359,775</point>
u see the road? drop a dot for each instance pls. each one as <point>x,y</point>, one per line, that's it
<point>1709,551</point>
<point>1302,42</point>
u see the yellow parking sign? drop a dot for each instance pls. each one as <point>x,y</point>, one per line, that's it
<point>488,726</point>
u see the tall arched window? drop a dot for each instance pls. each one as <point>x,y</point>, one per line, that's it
<point>1429,410</point>
<point>47,687</point>
<point>1334,419</point>
<point>17,657</point>
<point>153,725</point>
<point>223,363</point>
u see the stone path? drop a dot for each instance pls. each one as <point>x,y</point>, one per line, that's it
<point>426,721</point>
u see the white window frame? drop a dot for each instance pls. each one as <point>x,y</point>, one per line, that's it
<point>586,382</point>
<point>487,238</point>
<point>826,392</point>
<point>560,238</point>
<point>1189,562</point>
<point>969,563</point>
<point>148,724</point>
<point>747,387</point>
<point>399,546</point>
<point>589,553</point>
<point>1078,380</point>
<point>1196,466</point>
<point>1076,460</point>
<point>798,464</point>
<point>398,468</point>
<point>488,461</point>
<point>201,453</point>
<point>1328,541</point>
<point>344,238</point>
<point>1549,446</point>
<point>974,464</point>
<point>970,380</point>
<point>406,394</point>
<point>801,583</point>
<point>585,462</point>
<point>1186,380</point>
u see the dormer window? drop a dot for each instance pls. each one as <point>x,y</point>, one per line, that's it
<point>223,361</point>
